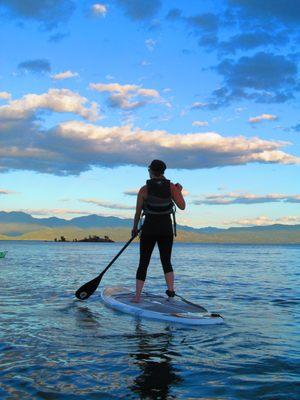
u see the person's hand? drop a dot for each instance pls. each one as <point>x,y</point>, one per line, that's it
<point>178,187</point>
<point>134,232</point>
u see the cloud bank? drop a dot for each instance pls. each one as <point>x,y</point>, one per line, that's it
<point>36,66</point>
<point>246,198</point>
<point>284,11</point>
<point>258,57</point>
<point>55,100</point>
<point>74,146</point>
<point>262,77</point>
<point>108,204</point>
<point>47,12</point>
<point>264,221</point>
<point>126,97</point>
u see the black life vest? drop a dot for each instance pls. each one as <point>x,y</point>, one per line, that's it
<point>159,199</point>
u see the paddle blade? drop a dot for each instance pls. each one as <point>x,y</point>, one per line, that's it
<point>86,290</point>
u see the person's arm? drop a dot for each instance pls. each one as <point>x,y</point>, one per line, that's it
<point>138,210</point>
<point>176,191</point>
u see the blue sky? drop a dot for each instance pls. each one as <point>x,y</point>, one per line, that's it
<point>91,92</point>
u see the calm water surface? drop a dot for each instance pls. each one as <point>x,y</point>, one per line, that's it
<point>55,347</point>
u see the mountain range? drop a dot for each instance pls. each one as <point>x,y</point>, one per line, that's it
<point>23,226</point>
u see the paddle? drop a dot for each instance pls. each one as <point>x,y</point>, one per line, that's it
<point>86,290</point>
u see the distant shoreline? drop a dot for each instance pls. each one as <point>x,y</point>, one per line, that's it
<point>89,239</point>
<point>20,226</point>
<point>176,242</point>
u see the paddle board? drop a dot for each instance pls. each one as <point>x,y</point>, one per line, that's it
<point>158,307</point>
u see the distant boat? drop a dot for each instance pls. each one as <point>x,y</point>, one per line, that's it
<point>3,254</point>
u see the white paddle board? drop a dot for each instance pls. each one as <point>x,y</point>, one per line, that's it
<point>158,307</point>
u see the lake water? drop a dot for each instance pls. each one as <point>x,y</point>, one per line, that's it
<point>55,347</point>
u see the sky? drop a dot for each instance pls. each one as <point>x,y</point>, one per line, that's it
<point>92,92</point>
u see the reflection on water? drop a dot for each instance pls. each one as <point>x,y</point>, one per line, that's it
<point>158,374</point>
<point>53,346</point>
<point>84,316</point>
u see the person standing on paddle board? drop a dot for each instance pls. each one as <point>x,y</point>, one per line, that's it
<point>156,201</point>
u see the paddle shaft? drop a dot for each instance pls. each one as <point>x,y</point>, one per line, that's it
<point>116,256</point>
<point>86,290</point>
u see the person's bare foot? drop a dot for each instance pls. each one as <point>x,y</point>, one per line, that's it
<point>135,299</point>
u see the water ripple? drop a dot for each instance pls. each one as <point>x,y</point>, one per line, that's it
<point>55,347</point>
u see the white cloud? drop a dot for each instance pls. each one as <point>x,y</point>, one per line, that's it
<point>57,100</point>
<point>64,75</point>
<point>60,212</point>
<point>99,9</point>
<point>74,146</point>
<point>246,198</point>
<point>197,105</point>
<point>262,117</point>
<point>108,204</point>
<point>65,213</point>
<point>127,97</point>
<point>80,146</point>
<point>291,219</point>
<point>112,146</point>
<point>5,95</point>
<point>264,221</point>
<point>200,123</point>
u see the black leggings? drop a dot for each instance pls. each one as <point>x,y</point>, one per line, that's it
<point>147,244</point>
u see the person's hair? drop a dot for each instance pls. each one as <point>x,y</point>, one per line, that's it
<point>156,173</point>
<point>157,167</point>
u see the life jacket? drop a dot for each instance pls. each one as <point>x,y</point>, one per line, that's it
<point>159,199</point>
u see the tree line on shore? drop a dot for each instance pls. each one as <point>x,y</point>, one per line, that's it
<point>90,238</point>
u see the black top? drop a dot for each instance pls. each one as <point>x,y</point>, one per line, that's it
<point>158,225</point>
<point>159,194</point>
